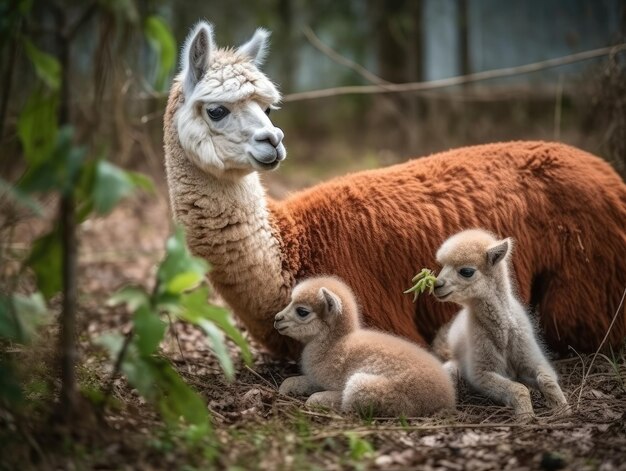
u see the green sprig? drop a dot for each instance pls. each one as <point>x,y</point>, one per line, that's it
<point>424,280</point>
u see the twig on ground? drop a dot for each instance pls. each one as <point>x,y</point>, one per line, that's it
<point>273,379</point>
<point>180,348</point>
<point>261,377</point>
<point>417,428</point>
<point>217,414</point>
<point>321,414</point>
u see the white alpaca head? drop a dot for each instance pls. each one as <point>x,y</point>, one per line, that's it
<point>473,263</point>
<point>223,124</point>
<point>319,307</point>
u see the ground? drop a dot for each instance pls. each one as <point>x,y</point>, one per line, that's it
<point>256,428</point>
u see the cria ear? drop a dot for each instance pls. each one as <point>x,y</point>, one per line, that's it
<point>498,252</point>
<point>256,48</point>
<point>196,55</point>
<point>331,302</point>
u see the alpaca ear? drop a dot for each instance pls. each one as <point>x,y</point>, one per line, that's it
<point>498,252</point>
<point>196,55</point>
<point>256,48</point>
<point>331,302</point>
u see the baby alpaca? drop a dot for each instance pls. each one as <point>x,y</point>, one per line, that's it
<point>356,369</point>
<point>491,339</point>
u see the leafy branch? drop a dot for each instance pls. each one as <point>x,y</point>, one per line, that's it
<point>180,291</point>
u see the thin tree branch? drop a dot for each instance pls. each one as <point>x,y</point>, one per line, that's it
<point>117,368</point>
<point>69,240</point>
<point>339,59</point>
<point>458,80</point>
<point>84,18</point>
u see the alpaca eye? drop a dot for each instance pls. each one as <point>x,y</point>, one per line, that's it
<point>466,272</point>
<point>302,313</point>
<point>218,113</point>
<point>267,111</point>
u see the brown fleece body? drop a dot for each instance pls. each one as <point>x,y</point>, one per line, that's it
<point>566,209</point>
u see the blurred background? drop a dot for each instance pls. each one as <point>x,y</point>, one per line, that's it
<point>118,86</point>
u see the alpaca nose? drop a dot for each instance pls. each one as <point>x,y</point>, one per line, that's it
<point>439,283</point>
<point>271,136</point>
<point>279,317</point>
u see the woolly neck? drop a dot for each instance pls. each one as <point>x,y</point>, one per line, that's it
<point>227,223</point>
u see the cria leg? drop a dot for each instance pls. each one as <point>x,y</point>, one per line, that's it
<point>365,392</point>
<point>504,390</point>
<point>298,386</point>
<point>329,399</point>
<point>453,370</point>
<point>549,386</point>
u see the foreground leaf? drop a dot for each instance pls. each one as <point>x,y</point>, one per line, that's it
<point>132,296</point>
<point>37,125</point>
<point>180,271</point>
<point>45,261</point>
<point>111,184</point>
<point>162,41</point>
<point>20,197</point>
<point>20,316</point>
<point>46,65</point>
<point>149,330</point>
<point>198,311</point>
<point>178,400</point>
<point>59,171</point>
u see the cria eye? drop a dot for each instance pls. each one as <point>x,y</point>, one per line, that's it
<point>302,312</point>
<point>466,272</point>
<point>218,113</point>
<point>267,111</point>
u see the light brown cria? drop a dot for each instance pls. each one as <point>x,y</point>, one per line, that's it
<point>354,369</point>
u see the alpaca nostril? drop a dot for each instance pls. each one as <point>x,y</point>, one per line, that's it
<point>439,283</point>
<point>272,138</point>
<point>279,318</point>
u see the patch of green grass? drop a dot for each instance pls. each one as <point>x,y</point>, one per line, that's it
<point>359,447</point>
<point>367,414</point>
<point>403,421</point>
<point>615,360</point>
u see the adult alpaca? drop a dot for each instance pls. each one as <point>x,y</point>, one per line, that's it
<point>565,207</point>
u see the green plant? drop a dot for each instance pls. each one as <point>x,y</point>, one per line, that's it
<point>614,361</point>
<point>20,317</point>
<point>367,413</point>
<point>424,280</point>
<point>75,174</point>
<point>180,291</point>
<point>359,447</point>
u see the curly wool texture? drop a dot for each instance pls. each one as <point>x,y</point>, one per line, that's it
<point>565,208</point>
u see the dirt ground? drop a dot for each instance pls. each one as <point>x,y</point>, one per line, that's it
<point>255,428</point>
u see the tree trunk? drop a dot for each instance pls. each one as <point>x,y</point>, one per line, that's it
<point>67,222</point>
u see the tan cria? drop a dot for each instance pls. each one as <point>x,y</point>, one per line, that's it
<point>354,369</point>
<point>491,341</point>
